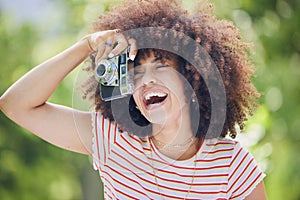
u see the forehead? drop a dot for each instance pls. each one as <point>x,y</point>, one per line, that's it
<point>148,56</point>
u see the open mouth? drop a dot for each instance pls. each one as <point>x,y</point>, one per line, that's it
<point>154,98</point>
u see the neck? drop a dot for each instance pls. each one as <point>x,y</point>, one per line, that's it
<point>175,137</point>
<point>176,129</point>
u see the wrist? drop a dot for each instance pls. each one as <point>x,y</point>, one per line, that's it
<point>86,41</point>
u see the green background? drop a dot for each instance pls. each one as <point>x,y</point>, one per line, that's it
<point>32,169</point>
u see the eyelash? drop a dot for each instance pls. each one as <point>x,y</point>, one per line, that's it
<point>138,72</point>
<point>157,67</point>
<point>161,66</point>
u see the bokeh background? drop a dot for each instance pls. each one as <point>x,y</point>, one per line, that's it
<point>33,30</point>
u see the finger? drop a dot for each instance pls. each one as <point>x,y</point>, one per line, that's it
<point>133,49</point>
<point>108,44</point>
<point>98,37</point>
<point>101,48</point>
<point>122,44</point>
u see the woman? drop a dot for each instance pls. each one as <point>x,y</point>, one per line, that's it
<point>164,141</point>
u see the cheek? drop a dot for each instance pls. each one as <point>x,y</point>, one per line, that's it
<point>137,83</point>
<point>137,87</point>
<point>137,98</point>
<point>177,89</point>
<point>172,82</point>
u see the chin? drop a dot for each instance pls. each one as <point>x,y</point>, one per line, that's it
<point>162,116</point>
<point>156,116</point>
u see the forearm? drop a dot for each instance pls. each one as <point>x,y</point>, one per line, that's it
<point>34,88</point>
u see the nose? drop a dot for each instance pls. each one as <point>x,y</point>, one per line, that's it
<point>148,78</point>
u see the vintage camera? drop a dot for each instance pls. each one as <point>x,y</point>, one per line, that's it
<point>114,77</point>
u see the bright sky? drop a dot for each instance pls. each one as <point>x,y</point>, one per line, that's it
<point>37,11</point>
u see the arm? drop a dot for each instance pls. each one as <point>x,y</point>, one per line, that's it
<point>258,193</point>
<point>25,102</point>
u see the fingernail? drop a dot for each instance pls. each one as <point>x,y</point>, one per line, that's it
<point>132,57</point>
<point>110,55</point>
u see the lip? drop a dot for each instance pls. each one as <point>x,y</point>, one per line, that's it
<point>153,106</point>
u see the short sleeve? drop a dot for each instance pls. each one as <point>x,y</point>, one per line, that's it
<point>244,173</point>
<point>95,147</point>
<point>103,135</point>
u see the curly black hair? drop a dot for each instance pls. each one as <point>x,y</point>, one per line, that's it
<point>219,38</point>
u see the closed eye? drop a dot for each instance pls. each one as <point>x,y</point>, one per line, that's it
<point>162,66</point>
<point>137,72</point>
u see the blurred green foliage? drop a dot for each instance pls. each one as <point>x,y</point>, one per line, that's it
<point>31,169</point>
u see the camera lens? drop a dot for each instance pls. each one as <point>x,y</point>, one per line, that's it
<point>101,70</point>
<point>106,72</point>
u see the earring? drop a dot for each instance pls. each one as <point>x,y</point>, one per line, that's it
<point>137,107</point>
<point>193,98</point>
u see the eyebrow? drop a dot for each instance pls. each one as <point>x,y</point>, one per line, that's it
<point>153,61</point>
<point>156,59</point>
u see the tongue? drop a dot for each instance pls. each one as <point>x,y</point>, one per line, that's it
<point>155,99</point>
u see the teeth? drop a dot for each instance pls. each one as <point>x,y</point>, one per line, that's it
<point>152,94</point>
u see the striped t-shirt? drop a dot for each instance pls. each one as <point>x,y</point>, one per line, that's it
<point>131,167</point>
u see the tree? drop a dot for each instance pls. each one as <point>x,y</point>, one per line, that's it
<point>31,169</point>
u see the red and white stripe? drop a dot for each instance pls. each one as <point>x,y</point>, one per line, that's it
<point>128,165</point>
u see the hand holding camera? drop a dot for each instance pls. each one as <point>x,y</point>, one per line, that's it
<point>112,70</point>
<point>110,43</point>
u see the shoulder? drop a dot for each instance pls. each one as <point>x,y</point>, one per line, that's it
<point>229,151</point>
<point>219,150</point>
<point>219,144</point>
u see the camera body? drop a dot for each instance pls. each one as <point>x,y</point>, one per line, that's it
<point>115,80</point>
